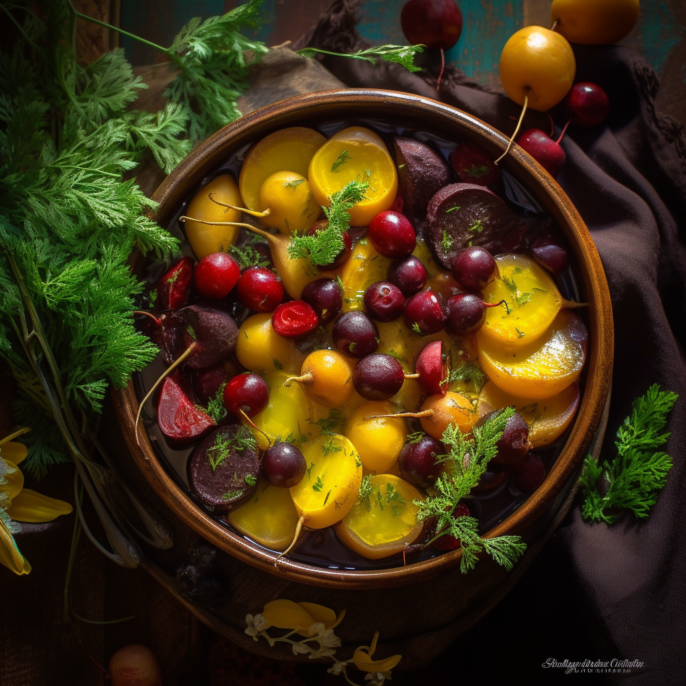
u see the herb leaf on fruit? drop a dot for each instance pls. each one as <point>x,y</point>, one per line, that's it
<point>326,244</point>
<point>469,372</point>
<point>639,472</point>
<point>466,461</point>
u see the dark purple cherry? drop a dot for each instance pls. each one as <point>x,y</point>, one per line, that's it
<point>424,313</point>
<point>283,465</point>
<point>466,314</point>
<point>474,268</point>
<point>384,301</point>
<point>552,257</point>
<point>355,334</point>
<point>587,104</point>
<point>528,474</point>
<point>325,298</point>
<point>418,461</point>
<point>378,377</point>
<point>514,444</point>
<point>492,478</point>
<point>408,274</point>
<point>547,152</point>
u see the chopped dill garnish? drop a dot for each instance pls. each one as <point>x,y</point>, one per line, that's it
<point>365,492</point>
<point>232,495</point>
<point>415,437</point>
<point>328,424</point>
<point>510,283</point>
<point>226,443</point>
<point>277,364</point>
<point>477,227</point>
<point>395,355</point>
<point>215,408</point>
<point>447,242</point>
<point>247,256</point>
<point>293,184</point>
<point>523,299</point>
<point>331,446</point>
<point>469,372</point>
<point>453,209</point>
<point>520,334</point>
<point>340,161</point>
<point>318,485</point>
<point>416,329</point>
<point>250,479</point>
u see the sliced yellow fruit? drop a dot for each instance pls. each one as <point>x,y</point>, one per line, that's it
<point>204,239</point>
<point>379,441</point>
<point>261,350</point>
<point>285,150</point>
<point>542,368</point>
<point>355,154</point>
<point>268,518</point>
<point>364,267</point>
<point>384,521</point>
<point>547,418</point>
<point>330,485</point>
<point>532,302</point>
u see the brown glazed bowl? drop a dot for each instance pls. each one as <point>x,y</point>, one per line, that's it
<point>398,109</point>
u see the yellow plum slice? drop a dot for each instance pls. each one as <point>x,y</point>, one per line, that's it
<point>547,418</point>
<point>268,518</point>
<point>384,521</point>
<point>532,302</point>
<point>330,486</point>
<point>364,267</point>
<point>543,368</point>
<point>355,154</point>
<point>260,349</point>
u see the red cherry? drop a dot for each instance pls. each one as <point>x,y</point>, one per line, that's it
<point>408,274</point>
<point>473,164</point>
<point>216,275</point>
<point>466,314</point>
<point>544,150</point>
<point>424,313</point>
<point>552,257</point>
<point>325,297</point>
<point>448,542</point>
<point>587,104</point>
<point>392,234</point>
<point>259,289</point>
<point>384,301</point>
<point>432,367</point>
<point>434,23</point>
<point>173,288</point>
<point>247,393</point>
<point>293,319</point>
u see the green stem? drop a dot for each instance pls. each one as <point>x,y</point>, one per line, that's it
<point>354,56</point>
<point>21,30</point>
<point>118,30</point>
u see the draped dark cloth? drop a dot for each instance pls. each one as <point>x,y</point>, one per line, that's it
<point>597,592</point>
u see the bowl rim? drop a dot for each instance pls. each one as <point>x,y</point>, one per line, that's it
<point>385,103</point>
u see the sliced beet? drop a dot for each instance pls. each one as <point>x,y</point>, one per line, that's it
<point>178,418</point>
<point>224,469</point>
<point>465,214</point>
<point>213,331</point>
<point>175,285</point>
<point>473,164</point>
<point>422,172</point>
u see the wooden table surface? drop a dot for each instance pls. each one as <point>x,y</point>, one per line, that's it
<point>659,34</point>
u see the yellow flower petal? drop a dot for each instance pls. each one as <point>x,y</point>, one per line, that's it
<point>363,658</point>
<point>321,614</point>
<point>285,614</point>
<point>10,556</point>
<point>30,506</point>
<point>14,482</point>
<point>14,451</point>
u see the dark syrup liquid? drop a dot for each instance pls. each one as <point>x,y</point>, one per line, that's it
<point>321,548</point>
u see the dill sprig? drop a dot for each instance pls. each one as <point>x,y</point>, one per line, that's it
<point>466,461</point>
<point>226,443</point>
<point>247,256</point>
<point>326,244</point>
<point>216,408</point>
<point>469,372</point>
<point>639,472</point>
<point>400,54</point>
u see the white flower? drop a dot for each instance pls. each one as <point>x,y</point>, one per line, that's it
<point>301,649</point>
<point>377,678</point>
<point>256,625</point>
<point>317,629</point>
<point>322,652</point>
<point>260,622</point>
<point>328,639</point>
<point>337,667</point>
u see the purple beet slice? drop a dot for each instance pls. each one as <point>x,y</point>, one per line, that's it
<point>178,418</point>
<point>224,469</point>
<point>465,214</point>
<point>422,172</point>
<point>213,331</point>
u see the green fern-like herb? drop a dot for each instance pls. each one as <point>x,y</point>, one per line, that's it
<point>325,245</point>
<point>468,457</point>
<point>401,54</point>
<point>638,473</point>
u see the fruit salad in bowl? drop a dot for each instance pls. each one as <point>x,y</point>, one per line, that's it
<point>375,339</point>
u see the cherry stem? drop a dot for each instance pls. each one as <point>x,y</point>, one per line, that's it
<point>168,371</point>
<point>502,302</point>
<point>554,26</point>
<point>305,378</point>
<point>412,376</point>
<point>254,213</point>
<point>157,321</point>
<point>571,305</point>
<point>440,75</point>
<point>552,124</point>
<point>254,426</point>
<point>298,528</point>
<point>564,131</point>
<point>402,415</point>
<point>265,234</point>
<point>516,131</point>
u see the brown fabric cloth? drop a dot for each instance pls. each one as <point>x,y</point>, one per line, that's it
<point>597,592</point>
